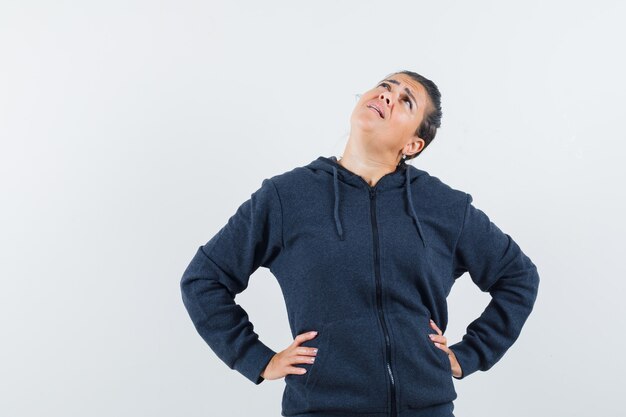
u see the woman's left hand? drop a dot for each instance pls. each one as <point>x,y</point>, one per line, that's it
<point>441,342</point>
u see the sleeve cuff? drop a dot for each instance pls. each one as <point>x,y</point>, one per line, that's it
<point>254,362</point>
<point>467,357</point>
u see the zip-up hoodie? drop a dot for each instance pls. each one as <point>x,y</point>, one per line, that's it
<point>367,267</point>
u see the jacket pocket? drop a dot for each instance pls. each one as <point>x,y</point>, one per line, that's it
<point>423,370</point>
<point>349,371</point>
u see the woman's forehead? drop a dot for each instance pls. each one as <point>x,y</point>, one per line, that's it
<point>405,81</point>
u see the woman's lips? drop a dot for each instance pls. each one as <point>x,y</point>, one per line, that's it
<point>378,112</point>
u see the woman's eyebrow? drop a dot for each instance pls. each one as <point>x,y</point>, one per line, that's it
<point>405,89</point>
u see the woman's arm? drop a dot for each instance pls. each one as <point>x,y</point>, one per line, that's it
<point>497,265</point>
<point>221,269</point>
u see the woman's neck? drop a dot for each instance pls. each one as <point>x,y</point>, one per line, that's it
<point>371,171</point>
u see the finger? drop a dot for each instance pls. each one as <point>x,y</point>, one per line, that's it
<point>434,326</point>
<point>438,338</point>
<point>303,350</point>
<point>447,350</point>
<point>303,337</point>
<point>295,370</point>
<point>301,359</point>
<point>443,347</point>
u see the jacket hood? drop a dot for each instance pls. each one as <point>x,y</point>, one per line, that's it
<point>403,176</point>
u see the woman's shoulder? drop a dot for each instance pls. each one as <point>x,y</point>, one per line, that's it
<point>296,177</point>
<point>436,188</point>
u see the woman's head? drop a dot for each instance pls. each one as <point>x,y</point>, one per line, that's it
<point>411,115</point>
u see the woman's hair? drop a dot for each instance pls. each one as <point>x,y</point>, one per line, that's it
<point>432,121</point>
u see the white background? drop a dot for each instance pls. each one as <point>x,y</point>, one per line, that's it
<point>131,130</point>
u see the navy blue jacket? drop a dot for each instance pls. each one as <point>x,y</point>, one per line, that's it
<point>366,267</point>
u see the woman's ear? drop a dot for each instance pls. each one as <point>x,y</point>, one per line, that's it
<point>415,147</point>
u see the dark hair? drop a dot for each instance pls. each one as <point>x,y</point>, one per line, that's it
<point>432,121</point>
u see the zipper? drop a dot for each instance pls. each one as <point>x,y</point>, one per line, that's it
<point>379,300</point>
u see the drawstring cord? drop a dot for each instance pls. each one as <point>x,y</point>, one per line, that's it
<point>337,220</point>
<point>410,201</point>
<point>409,198</point>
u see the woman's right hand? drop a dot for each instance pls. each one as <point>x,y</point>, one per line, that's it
<point>282,363</point>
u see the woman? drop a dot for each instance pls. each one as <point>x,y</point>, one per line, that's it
<point>366,250</point>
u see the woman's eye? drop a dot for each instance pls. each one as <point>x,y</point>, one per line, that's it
<point>409,101</point>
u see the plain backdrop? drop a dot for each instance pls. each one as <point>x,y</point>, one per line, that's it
<point>130,131</point>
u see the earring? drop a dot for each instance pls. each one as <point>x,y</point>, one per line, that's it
<point>403,156</point>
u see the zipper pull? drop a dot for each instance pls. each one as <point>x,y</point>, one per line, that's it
<point>371,193</point>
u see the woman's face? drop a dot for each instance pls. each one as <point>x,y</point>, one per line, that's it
<point>403,103</point>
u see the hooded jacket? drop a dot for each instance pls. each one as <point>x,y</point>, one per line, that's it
<point>367,267</point>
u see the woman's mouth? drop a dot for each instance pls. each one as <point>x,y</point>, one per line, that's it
<point>377,110</point>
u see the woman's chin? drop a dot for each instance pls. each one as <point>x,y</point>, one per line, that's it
<point>365,124</point>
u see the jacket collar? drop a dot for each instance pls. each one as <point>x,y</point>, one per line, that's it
<point>403,176</point>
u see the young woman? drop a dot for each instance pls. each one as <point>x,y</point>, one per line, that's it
<point>365,249</point>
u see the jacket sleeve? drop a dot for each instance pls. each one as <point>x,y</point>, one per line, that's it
<point>221,269</point>
<point>497,265</point>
